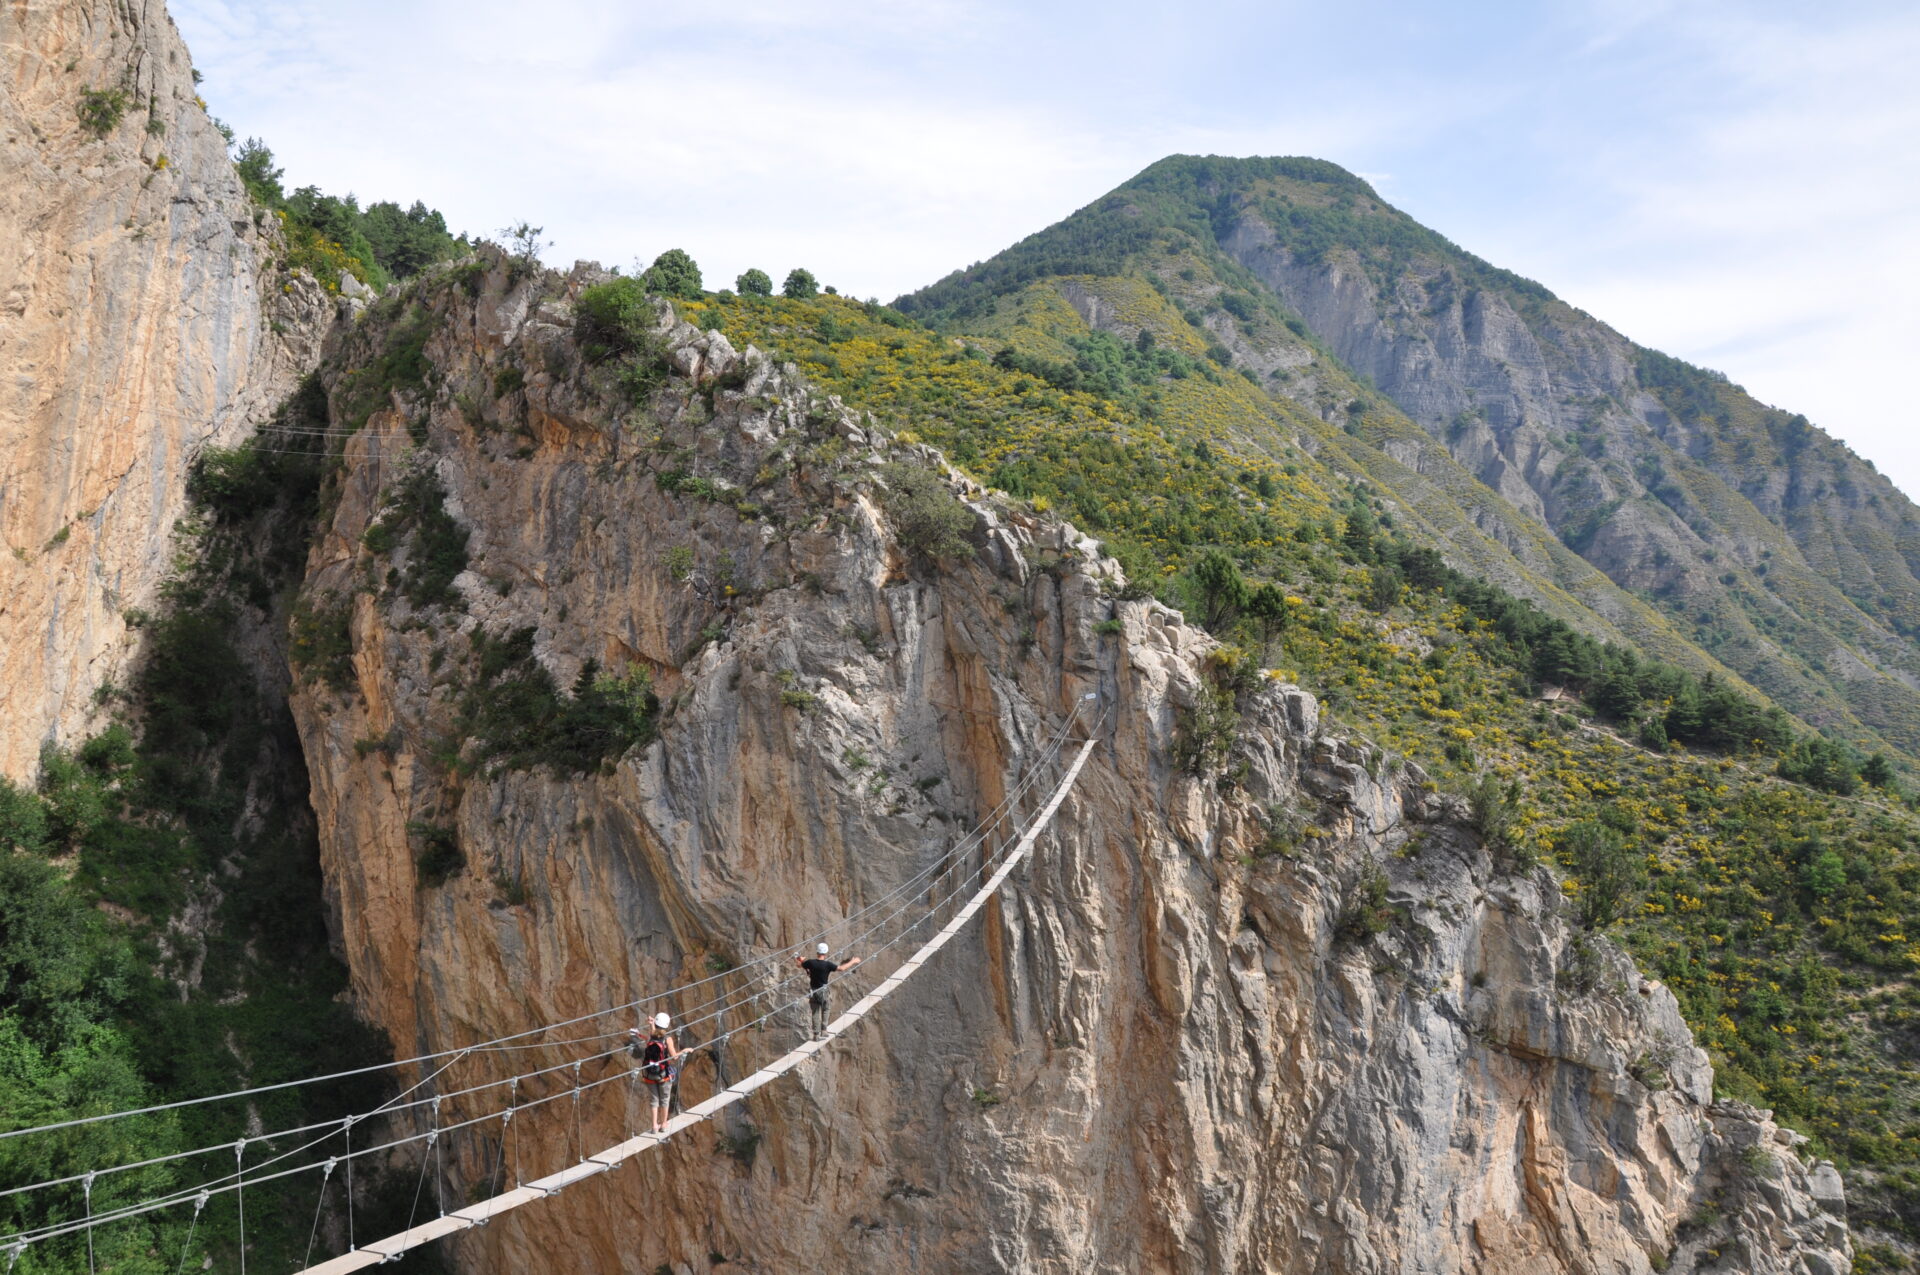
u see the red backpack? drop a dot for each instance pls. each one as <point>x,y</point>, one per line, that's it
<point>656,1069</point>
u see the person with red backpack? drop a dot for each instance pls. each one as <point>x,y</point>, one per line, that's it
<point>819,970</point>
<point>659,1064</point>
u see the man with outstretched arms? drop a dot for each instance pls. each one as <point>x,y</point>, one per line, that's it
<point>819,969</point>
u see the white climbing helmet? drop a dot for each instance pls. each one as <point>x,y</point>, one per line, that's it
<point>661,1020</point>
<point>822,949</point>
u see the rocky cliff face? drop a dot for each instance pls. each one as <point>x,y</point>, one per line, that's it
<point>1675,485</point>
<point>136,324</point>
<point>1271,1006</point>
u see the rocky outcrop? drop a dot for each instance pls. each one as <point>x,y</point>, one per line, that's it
<point>1687,492</point>
<point>1263,1004</point>
<point>136,324</point>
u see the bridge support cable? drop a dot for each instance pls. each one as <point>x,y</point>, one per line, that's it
<point>747,997</point>
<point>389,1248</point>
<point>518,1040</point>
<point>236,1182</point>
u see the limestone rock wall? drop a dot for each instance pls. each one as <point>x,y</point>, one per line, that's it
<point>1174,1044</point>
<point>1786,536</point>
<point>137,323</point>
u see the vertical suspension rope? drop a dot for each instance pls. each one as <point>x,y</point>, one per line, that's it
<point>86,1189</point>
<point>348,1130</point>
<point>513,1104</point>
<point>199,1204</point>
<point>326,1176</point>
<point>579,1138</point>
<point>426,1160</point>
<point>240,1196</point>
<point>439,1160</point>
<point>14,1251</point>
<point>500,1157</point>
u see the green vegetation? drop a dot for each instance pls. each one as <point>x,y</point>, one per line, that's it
<point>415,515</point>
<point>754,283</point>
<point>400,364</point>
<point>1689,392</point>
<point>673,274</point>
<point>1162,256</point>
<point>326,235</point>
<point>320,641</point>
<point>187,811</point>
<point>613,318</point>
<point>928,519</point>
<point>100,110</point>
<point>524,244</point>
<point>1366,911</point>
<point>1827,764</point>
<point>517,719</point>
<point>439,857</point>
<point>1610,874</point>
<point>800,285</point>
<point>614,321</point>
<point>1187,202</point>
<point>1134,469</point>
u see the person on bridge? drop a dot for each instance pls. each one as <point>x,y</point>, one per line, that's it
<point>659,1063</point>
<point>819,970</point>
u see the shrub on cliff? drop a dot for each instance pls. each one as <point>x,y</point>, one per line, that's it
<point>928,519</point>
<point>1492,807</point>
<point>100,109</point>
<point>1206,733</point>
<point>1220,592</point>
<point>416,515</point>
<point>515,713</point>
<point>234,482</point>
<point>440,857</point>
<point>613,318</point>
<point>1365,912</point>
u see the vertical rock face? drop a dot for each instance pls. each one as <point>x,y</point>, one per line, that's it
<point>1553,410</point>
<point>135,325</point>
<point>1283,1014</point>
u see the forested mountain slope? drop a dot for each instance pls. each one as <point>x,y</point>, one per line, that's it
<point>1766,547</point>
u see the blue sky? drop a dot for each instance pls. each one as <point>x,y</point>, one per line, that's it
<point>1736,183</point>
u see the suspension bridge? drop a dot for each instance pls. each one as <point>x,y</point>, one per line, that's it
<point>455,1094</point>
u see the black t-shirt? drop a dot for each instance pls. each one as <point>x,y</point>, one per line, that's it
<point>819,971</point>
